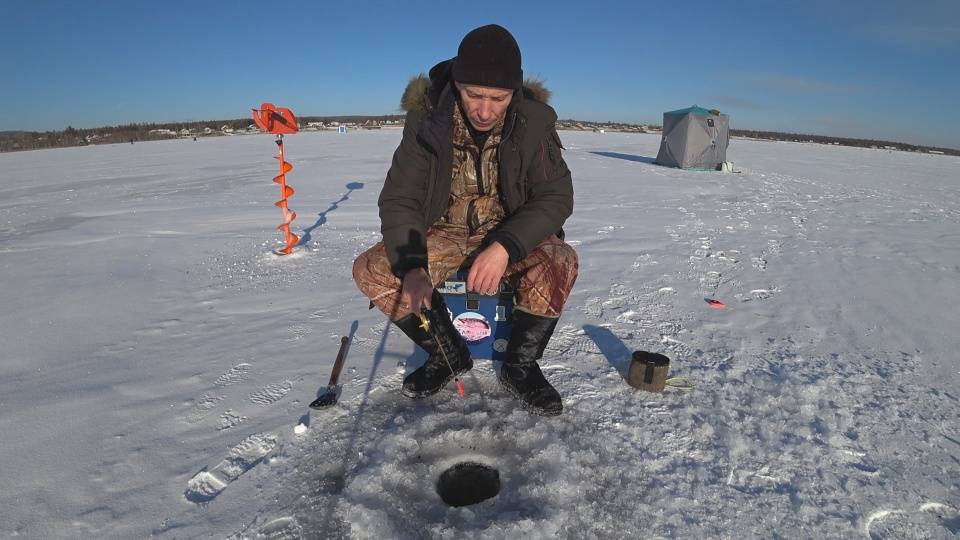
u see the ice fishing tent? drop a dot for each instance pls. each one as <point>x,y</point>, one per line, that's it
<point>694,138</point>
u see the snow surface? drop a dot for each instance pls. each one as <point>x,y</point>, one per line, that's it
<point>157,358</point>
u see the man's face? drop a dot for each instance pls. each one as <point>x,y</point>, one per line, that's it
<point>484,105</point>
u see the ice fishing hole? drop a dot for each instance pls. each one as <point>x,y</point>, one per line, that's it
<point>468,483</point>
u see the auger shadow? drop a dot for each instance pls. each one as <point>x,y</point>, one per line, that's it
<point>322,216</point>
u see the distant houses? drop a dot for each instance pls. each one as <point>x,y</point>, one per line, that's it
<point>604,127</point>
<point>335,125</point>
<point>234,129</point>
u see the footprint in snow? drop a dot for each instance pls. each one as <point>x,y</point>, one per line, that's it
<point>284,528</point>
<point>201,408</point>
<point>237,373</point>
<point>775,247</point>
<point>759,263</point>
<point>931,521</point>
<point>158,328</point>
<point>758,294</point>
<point>271,393</point>
<point>859,461</point>
<point>298,331</point>
<point>642,261</point>
<point>206,485</point>
<point>229,419</point>
<point>709,282</point>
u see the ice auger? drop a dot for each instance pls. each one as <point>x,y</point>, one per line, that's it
<point>280,121</point>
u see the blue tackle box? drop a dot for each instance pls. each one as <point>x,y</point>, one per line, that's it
<point>483,320</point>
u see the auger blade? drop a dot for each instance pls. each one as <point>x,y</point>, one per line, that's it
<point>284,166</point>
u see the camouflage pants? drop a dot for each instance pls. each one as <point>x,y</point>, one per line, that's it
<point>542,280</point>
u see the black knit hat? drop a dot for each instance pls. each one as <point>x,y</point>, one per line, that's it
<point>489,56</point>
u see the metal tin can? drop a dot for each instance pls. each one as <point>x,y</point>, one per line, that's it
<point>648,371</point>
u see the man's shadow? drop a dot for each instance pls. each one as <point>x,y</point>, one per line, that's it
<point>350,450</point>
<point>322,216</point>
<point>628,157</point>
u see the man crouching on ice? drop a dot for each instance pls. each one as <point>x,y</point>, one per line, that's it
<point>478,178</point>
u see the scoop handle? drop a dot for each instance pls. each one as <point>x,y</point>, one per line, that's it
<point>338,364</point>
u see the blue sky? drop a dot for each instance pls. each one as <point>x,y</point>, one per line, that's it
<point>879,69</point>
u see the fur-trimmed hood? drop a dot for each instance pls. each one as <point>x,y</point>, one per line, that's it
<point>423,92</point>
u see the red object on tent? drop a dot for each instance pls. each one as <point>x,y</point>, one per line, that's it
<point>275,120</point>
<point>715,304</point>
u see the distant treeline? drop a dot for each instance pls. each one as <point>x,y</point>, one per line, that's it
<point>127,133</point>
<point>844,141</point>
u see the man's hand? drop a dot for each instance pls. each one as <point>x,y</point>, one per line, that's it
<point>417,290</point>
<point>487,269</point>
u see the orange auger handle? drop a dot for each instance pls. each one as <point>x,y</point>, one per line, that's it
<point>275,120</point>
<point>280,121</point>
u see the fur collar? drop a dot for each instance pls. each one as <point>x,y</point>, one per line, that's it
<point>423,92</point>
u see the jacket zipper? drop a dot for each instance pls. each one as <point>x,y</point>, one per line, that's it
<point>478,164</point>
<point>507,135</point>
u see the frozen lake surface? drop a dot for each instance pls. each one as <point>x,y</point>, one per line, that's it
<point>156,356</point>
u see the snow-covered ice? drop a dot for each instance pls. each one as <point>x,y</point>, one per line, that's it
<point>158,359</point>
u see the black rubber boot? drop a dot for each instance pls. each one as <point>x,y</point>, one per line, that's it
<point>520,374</point>
<point>435,373</point>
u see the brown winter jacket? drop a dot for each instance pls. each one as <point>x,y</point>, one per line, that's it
<point>535,188</point>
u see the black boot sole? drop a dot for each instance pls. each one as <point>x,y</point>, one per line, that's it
<point>431,391</point>
<point>526,406</point>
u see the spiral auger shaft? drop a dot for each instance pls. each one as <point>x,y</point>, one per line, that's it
<point>280,121</point>
<point>286,192</point>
